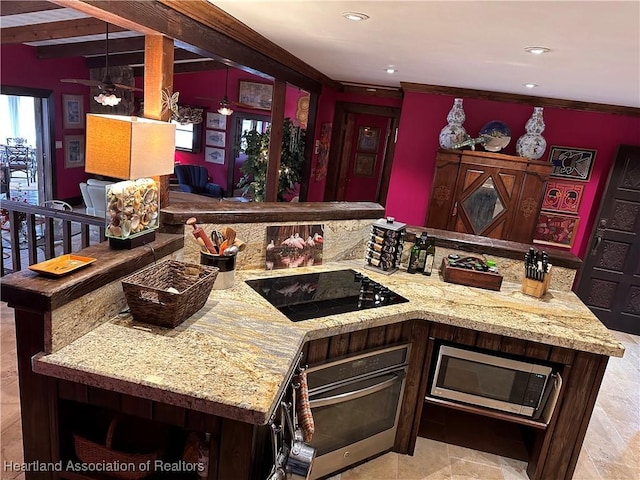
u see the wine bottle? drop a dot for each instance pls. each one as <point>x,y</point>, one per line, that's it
<point>412,266</point>
<point>430,255</point>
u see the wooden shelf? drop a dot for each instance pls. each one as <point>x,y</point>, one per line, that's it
<point>487,413</point>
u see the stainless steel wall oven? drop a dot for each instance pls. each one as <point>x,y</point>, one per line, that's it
<point>355,402</point>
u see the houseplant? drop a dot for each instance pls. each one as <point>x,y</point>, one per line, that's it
<point>254,169</point>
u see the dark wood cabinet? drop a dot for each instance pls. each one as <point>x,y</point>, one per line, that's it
<point>487,194</point>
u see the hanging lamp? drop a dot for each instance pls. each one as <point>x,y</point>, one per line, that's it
<point>225,106</point>
<point>107,88</point>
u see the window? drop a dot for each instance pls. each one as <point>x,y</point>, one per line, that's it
<point>188,137</point>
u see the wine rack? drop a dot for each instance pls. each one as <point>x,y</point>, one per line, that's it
<point>384,248</point>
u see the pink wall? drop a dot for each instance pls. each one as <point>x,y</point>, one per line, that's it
<point>21,68</point>
<point>424,115</point>
<point>326,111</point>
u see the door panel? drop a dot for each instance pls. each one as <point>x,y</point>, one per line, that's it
<point>369,143</point>
<point>610,277</point>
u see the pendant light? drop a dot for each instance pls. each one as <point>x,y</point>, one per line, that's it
<point>225,106</point>
<point>107,88</point>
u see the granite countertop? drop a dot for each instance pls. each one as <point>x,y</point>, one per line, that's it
<point>233,357</point>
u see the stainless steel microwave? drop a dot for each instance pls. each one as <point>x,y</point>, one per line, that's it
<point>489,380</point>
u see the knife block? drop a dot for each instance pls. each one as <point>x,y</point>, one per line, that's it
<point>536,288</point>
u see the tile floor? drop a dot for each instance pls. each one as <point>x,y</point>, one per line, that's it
<point>611,449</point>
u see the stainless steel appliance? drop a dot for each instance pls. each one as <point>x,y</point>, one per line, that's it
<point>314,295</point>
<point>490,381</point>
<point>355,405</point>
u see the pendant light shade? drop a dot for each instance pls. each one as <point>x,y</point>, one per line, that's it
<point>107,95</point>
<point>225,106</point>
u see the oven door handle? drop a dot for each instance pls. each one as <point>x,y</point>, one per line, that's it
<point>344,397</point>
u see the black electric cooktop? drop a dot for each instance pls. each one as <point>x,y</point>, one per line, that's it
<point>313,295</point>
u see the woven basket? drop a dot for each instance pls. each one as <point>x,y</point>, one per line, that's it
<point>150,302</point>
<point>91,452</point>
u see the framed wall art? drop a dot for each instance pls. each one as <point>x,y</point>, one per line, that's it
<point>215,138</point>
<point>216,120</point>
<point>563,196</point>
<point>364,164</point>
<point>73,151</point>
<point>214,155</point>
<point>571,163</point>
<point>368,138</point>
<point>72,111</point>
<point>255,95</point>
<point>556,229</point>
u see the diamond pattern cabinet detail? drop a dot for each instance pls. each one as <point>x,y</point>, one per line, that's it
<point>487,194</point>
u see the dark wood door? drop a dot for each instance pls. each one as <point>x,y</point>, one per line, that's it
<point>610,277</point>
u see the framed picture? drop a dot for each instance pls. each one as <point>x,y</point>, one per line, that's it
<point>571,163</point>
<point>216,120</point>
<point>292,246</point>
<point>322,149</point>
<point>73,151</point>
<point>256,95</point>
<point>365,164</point>
<point>215,138</point>
<point>214,155</point>
<point>556,229</point>
<point>72,111</point>
<point>563,196</point>
<point>368,138</point>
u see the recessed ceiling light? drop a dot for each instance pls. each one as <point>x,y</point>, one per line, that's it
<point>391,70</point>
<point>355,16</point>
<point>537,50</point>
<point>531,85</point>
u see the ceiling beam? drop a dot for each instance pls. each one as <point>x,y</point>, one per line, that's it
<point>220,21</point>
<point>97,47</point>
<point>190,67</point>
<point>518,98</point>
<point>11,7</point>
<point>189,34</point>
<point>54,31</point>
<point>134,58</point>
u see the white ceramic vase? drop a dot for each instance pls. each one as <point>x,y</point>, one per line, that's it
<point>453,133</point>
<point>532,144</point>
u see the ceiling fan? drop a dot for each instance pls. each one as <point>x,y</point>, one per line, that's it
<point>106,87</point>
<point>225,105</point>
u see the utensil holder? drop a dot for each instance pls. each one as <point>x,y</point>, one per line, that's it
<point>536,288</point>
<point>226,265</point>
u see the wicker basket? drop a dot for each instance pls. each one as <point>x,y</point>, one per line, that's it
<point>150,302</point>
<point>90,452</point>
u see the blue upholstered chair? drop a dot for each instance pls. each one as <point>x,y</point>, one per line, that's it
<point>195,179</point>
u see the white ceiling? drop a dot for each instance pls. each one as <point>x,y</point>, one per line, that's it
<point>595,45</point>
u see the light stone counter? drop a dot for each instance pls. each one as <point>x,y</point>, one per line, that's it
<point>233,357</point>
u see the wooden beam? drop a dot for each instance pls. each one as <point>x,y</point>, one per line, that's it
<point>54,31</point>
<point>220,21</point>
<point>275,140</point>
<point>135,58</point>
<point>158,65</point>
<point>82,49</point>
<point>11,7</point>
<point>517,98</point>
<point>189,34</point>
<point>179,68</point>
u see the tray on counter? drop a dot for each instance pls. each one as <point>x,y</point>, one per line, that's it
<point>62,265</point>
<point>471,278</point>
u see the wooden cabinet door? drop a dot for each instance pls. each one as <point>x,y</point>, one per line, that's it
<point>485,200</point>
<point>443,190</point>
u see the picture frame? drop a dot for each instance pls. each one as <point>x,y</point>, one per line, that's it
<point>571,163</point>
<point>255,95</point>
<point>214,155</point>
<point>368,139</point>
<point>556,229</point>
<point>562,196</point>
<point>364,164</point>
<point>73,151</point>
<point>72,111</point>
<point>216,121</point>
<point>215,138</point>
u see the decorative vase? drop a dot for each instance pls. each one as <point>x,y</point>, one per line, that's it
<point>532,144</point>
<point>453,133</point>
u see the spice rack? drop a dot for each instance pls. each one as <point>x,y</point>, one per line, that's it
<point>384,248</point>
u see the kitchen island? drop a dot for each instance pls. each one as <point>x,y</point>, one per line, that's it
<point>223,370</point>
